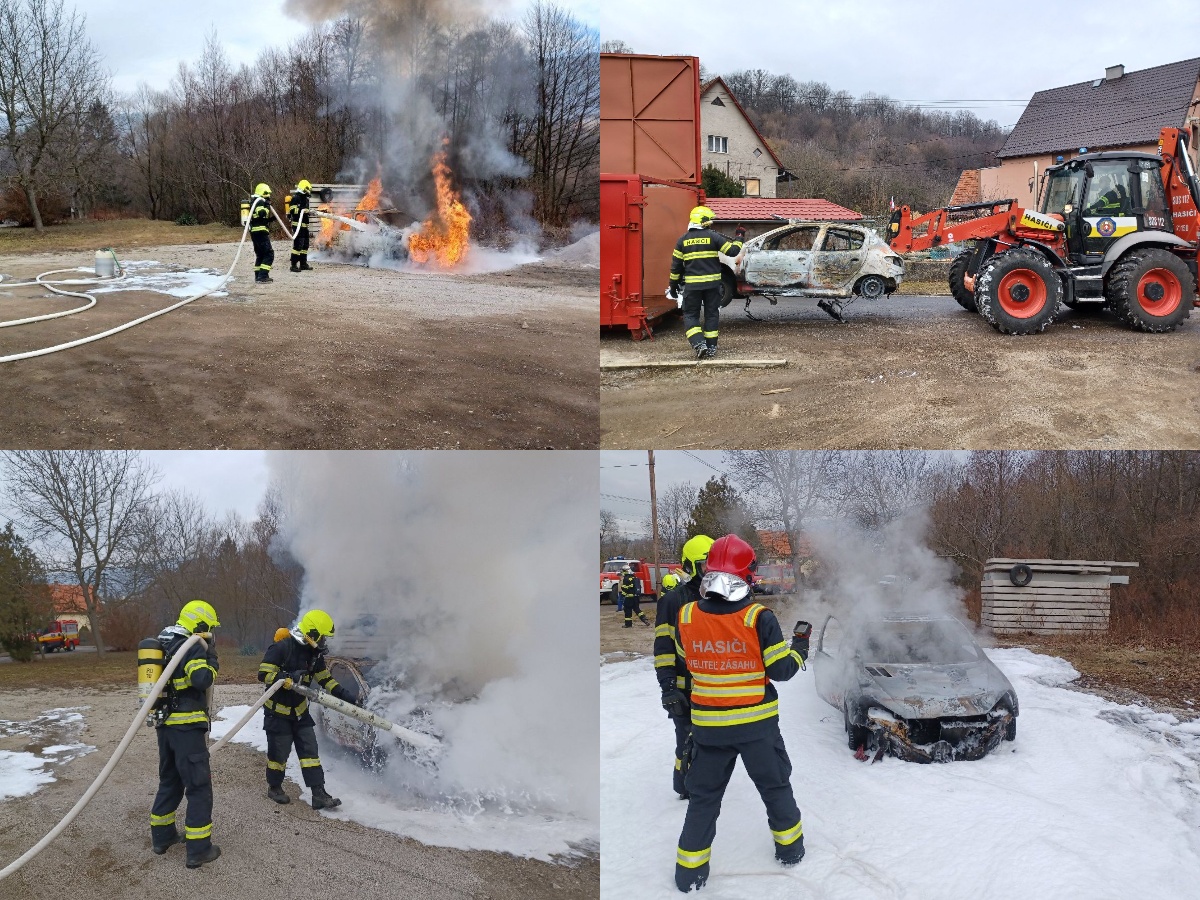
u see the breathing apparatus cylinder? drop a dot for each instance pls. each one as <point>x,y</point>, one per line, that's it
<point>281,633</point>
<point>150,666</point>
<point>245,212</point>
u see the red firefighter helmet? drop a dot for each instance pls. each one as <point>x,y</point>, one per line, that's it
<point>732,555</point>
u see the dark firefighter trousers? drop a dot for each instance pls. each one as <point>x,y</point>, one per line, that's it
<point>281,734</point>
<point>183,770</point>
<point>264,253</point>
<point>708,301</point>
<point>768,766</point>
<point>300,246</point>
<point>633,607</point>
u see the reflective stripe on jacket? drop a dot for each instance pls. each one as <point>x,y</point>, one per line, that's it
<point>694,261</point>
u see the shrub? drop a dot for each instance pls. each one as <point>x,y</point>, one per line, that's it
<point>20,649</point>
<point>186,218</point>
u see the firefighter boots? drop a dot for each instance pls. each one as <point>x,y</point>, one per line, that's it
<point>277,794</point>
<point>160,849</point>
<point>295,266</point>
<point>322,800</point>
<point>204,856</point>
<point>304,266</point>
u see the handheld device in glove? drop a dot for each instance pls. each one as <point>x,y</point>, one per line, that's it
<point>675,703</point>
<point>801,632</point>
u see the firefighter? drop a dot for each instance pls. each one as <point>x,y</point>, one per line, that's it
<point>695,266</point>
<point>735,713</point>
<point>299,658</point>
<point>631,597</point>
<point>672,674</point>
<point>260,225</point>
<point>182,739</point>
<point>297,204</point>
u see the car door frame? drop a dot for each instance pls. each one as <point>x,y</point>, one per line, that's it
<point>757,272</point>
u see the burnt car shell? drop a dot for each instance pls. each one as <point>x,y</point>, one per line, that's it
<point>815,259</point>
<point>916,687</point>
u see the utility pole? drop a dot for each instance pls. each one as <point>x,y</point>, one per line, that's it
<point>654,575</point>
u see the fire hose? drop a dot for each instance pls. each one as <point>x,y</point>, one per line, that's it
<point>138,321</point>
<point>413,738</point>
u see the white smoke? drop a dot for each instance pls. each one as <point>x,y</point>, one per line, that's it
<point>472,564</point>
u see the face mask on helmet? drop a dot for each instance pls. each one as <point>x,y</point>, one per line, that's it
<point>723,586</point>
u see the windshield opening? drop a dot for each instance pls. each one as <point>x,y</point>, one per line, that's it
<point>914,643</point>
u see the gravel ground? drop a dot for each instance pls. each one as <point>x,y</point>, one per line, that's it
<point>340,357</point>
<point>267,850</point>
<point>908,372</point>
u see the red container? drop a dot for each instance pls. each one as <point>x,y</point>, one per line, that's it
<point>640,220</point>
<point>650,116</point>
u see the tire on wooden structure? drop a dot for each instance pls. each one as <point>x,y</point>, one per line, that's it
<point>958,269</point>
<point>1019,292</point>
<point>1151,290</point>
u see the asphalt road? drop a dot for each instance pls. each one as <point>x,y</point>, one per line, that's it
<point>907,372</point>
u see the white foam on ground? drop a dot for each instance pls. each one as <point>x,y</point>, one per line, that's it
<point>140,276</point>
<point>1094,799</point>
<point>22,774</point>
<point>499,827</point>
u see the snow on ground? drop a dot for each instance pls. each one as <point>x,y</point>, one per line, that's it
<point>1093,800</point>
<point>366,799</point>
<point>23,772</point>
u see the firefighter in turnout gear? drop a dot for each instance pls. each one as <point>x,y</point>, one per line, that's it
<point>631,598</point>
<point>297,204</point>
<point>299,658</point>
<point>696,267</point>
<point>260,227</point>
<point>672,674</point>
<point>734,649</point>
<point>669,581</point>
<point>182,737</point>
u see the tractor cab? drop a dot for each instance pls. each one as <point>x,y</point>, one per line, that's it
<point>1104,196</point>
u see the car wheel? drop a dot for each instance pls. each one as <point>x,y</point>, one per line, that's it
<point>614,594</point>
<point>728,287</point>
<point>1010,731</point>
<point>872,287</point>
<point>1020,575</point>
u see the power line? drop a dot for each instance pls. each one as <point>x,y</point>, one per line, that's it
<point>630,499</point>
<point>626,466</point>
<point>704,462</point>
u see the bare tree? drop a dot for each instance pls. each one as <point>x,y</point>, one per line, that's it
<point>50,78</point>
<point>788,487</point>
<point>674,511</point>
<point>88,507</point>
<point>883,485</point>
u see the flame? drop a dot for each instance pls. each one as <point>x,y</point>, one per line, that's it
<point>370,199</point>
<point>445,235</point>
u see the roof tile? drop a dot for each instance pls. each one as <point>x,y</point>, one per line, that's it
<point>762,209</point>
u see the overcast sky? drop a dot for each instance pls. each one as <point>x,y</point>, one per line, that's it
<point>145,41</point>
<point>929,50</point>
<point>625,474</point>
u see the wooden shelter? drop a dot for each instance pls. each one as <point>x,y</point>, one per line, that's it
<point>1048,596</point>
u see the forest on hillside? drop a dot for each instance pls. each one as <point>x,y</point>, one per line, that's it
<point>861,152</point>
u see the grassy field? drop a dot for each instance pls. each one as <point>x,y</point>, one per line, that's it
<point>119,234</point>
<point>113,669</point>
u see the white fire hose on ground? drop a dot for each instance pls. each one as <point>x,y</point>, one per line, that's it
<point>413,738</point>
<point>138,321</point>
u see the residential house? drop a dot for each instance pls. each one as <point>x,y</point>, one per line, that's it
<point>732,143</point>
<point>1122,110</point>
<point>68,604</point>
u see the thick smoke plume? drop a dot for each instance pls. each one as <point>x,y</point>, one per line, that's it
<point>891,571</point>
<point>469,567</point>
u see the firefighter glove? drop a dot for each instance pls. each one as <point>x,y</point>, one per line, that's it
<point>675,703</point>
<point>739,232</point>
<point>297,676</point>
<point>287,682</point>
<point>673,292</point>
<point>800,635</point>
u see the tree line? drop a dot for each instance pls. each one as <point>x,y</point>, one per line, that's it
<point>339,104</point>
<point>861,152</point>
<point>98,521</point>
<point>1121,505</point>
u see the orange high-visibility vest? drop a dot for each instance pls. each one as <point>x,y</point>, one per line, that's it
<point>723,655</point>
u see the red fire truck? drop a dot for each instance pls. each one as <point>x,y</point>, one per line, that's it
<point>648,582</point>
<point>61,634</point>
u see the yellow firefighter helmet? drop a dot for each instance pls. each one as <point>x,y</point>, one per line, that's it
<point>695,552</point>
<point>701,215</point>
<point>316,625</point>
<point>304,185</point>
<point>198,617</point>
<point>262,189</point>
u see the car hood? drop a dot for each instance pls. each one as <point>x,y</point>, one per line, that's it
<point>930,692</point>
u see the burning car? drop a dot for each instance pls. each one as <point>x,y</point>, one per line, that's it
<point>916,687</point>
<point>826,260</point>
